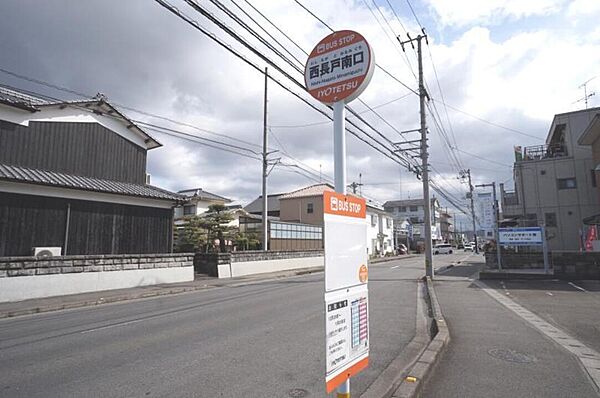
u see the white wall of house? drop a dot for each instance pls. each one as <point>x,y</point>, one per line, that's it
<point>372,232</point>
<point>193,208</point>
<point>380,232</point>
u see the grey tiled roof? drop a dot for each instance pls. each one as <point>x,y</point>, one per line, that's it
<point>272,204</point>
<point>20,99</point>
<point>202,195</point>
<point>55,179</point>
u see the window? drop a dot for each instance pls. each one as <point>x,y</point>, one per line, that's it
<point>402,209</point>
<point>309,208</point>
<point>373,219</point>
<point>388,222</point>
<point>567,183</point>
<point>414,220</point>
<point>550,219</point>
<point>189,210</point>
<point>414,208</point>
<point>594,183</point>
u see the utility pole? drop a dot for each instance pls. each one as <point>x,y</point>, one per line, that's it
<point>467,174</point>
<point>424,152</point>
<point>265,154</point>
<point>496,221</point>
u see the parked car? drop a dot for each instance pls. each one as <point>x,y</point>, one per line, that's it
<point>468,248</point>
<point>443,248</point>
<point>402,249</point>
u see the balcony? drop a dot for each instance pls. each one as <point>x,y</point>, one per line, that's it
<point>540,152</point>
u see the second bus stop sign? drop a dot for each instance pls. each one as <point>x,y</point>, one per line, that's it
<point>339,68</point>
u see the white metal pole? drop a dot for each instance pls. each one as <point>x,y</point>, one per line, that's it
<point>339,166</point>
<point>545,251</point>
<point>497,231</point>
<point>339,146</point>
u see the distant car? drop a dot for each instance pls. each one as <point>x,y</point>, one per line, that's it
<point>468,248</point>
<point>442,249</point>
<point>402,249</point>
<point>460,246</point>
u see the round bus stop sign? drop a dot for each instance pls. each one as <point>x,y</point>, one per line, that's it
<point>339,68</point>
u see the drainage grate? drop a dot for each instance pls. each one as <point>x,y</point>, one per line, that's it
<point>511,355</point>
<point>297,393</point>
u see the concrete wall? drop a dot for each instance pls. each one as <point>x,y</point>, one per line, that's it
<point>228,265</point>
<point>576,265</point>
<point>23,278</point>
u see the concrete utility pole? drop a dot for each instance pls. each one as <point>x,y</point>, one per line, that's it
<point>424,155</point>
<point>467,174</point>
<point>496,221</point>
<point>265,154</point>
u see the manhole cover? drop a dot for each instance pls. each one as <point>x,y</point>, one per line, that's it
<point>297,393</point>
<point>511,355</point>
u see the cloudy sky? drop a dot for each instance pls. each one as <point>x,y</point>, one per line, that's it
<point>509,63</point>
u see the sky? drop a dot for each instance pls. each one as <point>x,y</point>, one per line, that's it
<point>508,63</point>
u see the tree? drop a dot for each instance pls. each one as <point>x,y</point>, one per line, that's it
<point>247,241</point>
<point>215,221</point>
<point>191,236</point>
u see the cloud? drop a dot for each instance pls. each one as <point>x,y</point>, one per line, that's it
<point>142,56</point>
<point>490,12</point>
<point>583,8</point>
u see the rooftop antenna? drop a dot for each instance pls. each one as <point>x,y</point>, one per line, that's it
<point>586,96</point>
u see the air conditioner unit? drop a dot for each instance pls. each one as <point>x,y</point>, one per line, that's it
<point>47,251</point>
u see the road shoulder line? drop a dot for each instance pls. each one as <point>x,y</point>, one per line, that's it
<point>587,357</point>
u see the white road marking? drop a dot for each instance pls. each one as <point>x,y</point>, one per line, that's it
<point>394,267</point>
<point>589,358</point>
<point>577,287</point>
<point>549,294</point>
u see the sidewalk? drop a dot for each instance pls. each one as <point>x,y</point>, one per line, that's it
<point>495,353</point>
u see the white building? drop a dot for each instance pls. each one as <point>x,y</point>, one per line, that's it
<point>413,211</point>
<point>198,202</point>
<point>380,230</point>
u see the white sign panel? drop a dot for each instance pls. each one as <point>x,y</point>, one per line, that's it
<point>346,292</point>
<point>347,334</point>
<point>521,236</point>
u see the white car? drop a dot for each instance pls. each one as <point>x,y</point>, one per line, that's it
<point>468,248</point>
<point>442,249</point>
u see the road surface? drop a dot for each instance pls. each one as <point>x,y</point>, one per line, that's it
<point>260,340</point>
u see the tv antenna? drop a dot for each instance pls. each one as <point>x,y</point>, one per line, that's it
<point>586,96</point>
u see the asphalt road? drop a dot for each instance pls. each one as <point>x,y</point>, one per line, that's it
<point>260,340</point>
<point>495,353</point>
<point>572,306</point>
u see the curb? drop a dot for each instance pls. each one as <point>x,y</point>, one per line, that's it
<point>91,303</point>
<point>395,258</point>
<point>412,384</point>
<point>391,377</point>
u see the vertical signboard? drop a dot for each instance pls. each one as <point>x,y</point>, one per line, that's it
<point>346,292</point>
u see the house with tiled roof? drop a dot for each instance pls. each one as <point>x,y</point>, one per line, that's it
<point>197,201</point>
<point>305,205</point>
<point>73,178</point>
